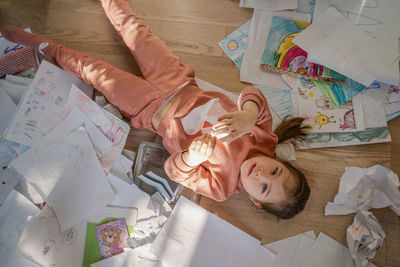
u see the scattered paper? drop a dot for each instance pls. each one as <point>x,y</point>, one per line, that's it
<point>7,108</point>
<point>365,188</point>
<point>269,4</point>
<point>83,187</point>
<point>44,243</point>
<point>130,258</point>
<point>8,180</point>
<point>364,237</point>
<point>348,50</point>
<point>112,127</point>
<point>286,252</point>
<point>44,99</point>
<point>194,237</point>
<point>14,214</point>
<point>328,253</point>
<point>258,35</point>
<point>14,91</point>
<point>376,17</point>
<point>128,195</point>
<point>18,80</point>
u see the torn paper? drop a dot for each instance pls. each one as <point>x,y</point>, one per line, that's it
<point>130,258</point>
<point>365,188</point>
<point>364,238</point>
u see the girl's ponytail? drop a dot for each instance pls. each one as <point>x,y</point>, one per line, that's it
<point>290,128</point>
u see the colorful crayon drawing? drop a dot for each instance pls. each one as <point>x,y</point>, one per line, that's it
<point>282,55</point>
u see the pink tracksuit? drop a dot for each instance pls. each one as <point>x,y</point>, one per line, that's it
<point>139,98</point>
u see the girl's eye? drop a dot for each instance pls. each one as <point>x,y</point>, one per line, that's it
<point>264,188</point>
<point>274,171</point>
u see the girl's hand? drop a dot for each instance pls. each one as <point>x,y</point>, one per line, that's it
<point>233,125</point>
<point>200,150</point>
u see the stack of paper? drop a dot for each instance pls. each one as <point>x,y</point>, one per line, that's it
<point>337,113</point>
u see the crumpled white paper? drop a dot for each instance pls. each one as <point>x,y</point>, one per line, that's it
<point>364,238</point>
<point>366,188</point>
<point>209,112</point>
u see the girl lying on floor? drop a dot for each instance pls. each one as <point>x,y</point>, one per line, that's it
<point>241,159</point>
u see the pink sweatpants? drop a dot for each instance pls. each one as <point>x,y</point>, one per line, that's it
<point>137,98</point>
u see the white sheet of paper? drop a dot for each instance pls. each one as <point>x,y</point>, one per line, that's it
<point>372,106</point>
<point>258,35</point>
<point>304,246</point>
<point>130,214</point>
<point>365,188</point>
<point>364,237</point>
<point>14,215</point>
<point>285,250</point>
<point>328,253</point>
<point>348,50</point>
<point>122,168</point>
<point>18,80</point>
<point>128,195</point>
<point>8,180</point>
<point>269,4</point>
<point>130,258</point>
<point>379,18</point>
<point>112,127</point>
<point>44,243</point>
<point>44,99</point>
<point>7,108</point>
<point>42,165</point>
<point>194,237</point>
<point>83,187</point>
<point>14,91</point>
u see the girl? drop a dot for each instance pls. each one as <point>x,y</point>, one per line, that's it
<point>160,101</point>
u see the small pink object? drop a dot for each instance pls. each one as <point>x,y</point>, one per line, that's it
<point>112,237</point>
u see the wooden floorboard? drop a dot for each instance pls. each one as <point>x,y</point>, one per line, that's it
<point>192,30</point>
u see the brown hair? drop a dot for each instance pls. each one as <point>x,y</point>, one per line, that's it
<point>288,130</point>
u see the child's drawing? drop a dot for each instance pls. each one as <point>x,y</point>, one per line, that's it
<point>319,113</point>
<point>282,55</point>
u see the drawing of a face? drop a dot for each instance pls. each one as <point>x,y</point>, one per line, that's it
<point>322,119</point>
<point>297,63</point>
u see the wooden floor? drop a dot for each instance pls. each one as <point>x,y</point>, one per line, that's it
<point>192,29</point>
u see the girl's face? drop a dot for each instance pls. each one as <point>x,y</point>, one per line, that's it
<point>266,180</point>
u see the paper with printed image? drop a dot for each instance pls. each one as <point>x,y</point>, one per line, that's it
<point>348,50</point>
<point>44,243</point>
<point>269,4</point>
<point>365,188</point>
<point>364,237</point>
<point>258,35</point>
